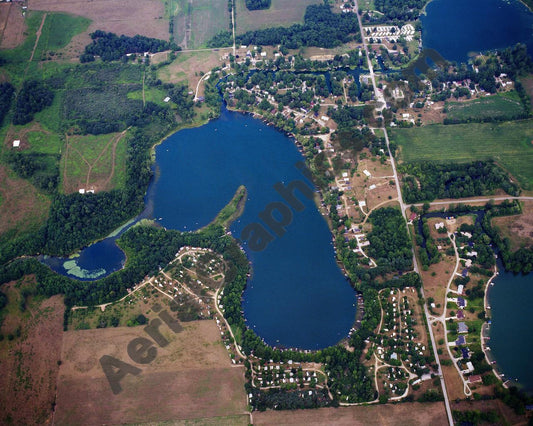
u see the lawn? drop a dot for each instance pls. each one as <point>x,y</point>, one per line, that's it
<point>366,5</point>
<point>281,13</point>
<point>498,106</point>
<point>509,144</point>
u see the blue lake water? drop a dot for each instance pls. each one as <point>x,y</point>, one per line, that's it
<point>297,295</point>
<point>456,28</point>
<point>510,332</point>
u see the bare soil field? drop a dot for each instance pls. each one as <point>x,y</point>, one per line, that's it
<point>454,383</point>
<point>398,415</point>
<point>435,285</point>
<point>192,377</point>
<point>12,25</point>
<point>21,206</point>
<point>117,16</point>
<point>29,363</point>
<point>519,229</point>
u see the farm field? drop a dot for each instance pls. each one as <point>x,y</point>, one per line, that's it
<point>117,16</point>
<point>509,144</point>
<point>29,360</point>
<point>280,13</point>
<point>196,23</point>
<point>499,106</point>
<point>109,15</point>
<point>406,414</point>
<point>190,378</point>
<point>56,32</point>
<point>12,25</point>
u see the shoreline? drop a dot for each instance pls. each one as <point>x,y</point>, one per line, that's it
<point>485,335</point>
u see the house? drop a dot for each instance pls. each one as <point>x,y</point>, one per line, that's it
<point>166,99</point>
<point>460,314</point>
<point>465,353</point>
<point>462,328</point>
<point>439,225</point>
<point>464,272</point>
<point>371,187</point>
<point>461,302</point>
<point>16,143</point>
<point>460,341</point>
<point>367,173</point>
<point>469,367</point>
<point>476,378</point>
<point>460,288</point>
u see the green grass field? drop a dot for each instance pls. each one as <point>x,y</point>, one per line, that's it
<point>281,13</point>
<point>44,143</point>
<point>498,106</point>
<point>96,150</point>
<point>151,94</point>
<point>205,17</point>
<point>57,31</point>
<point>510,144</point>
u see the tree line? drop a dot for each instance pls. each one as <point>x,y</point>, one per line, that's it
<point>6,97</point>
<point>321,28</point>
<point>33,97</point>
<point>257,4</point>
<point>429,181</point>
<point>111,47</point>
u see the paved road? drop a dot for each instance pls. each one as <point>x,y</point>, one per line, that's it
<point>403,208</point>
<point>473,200</point>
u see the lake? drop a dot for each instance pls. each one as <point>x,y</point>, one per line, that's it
<point>297,295</point>
<point>458,28</point>
<point>510,331</point>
